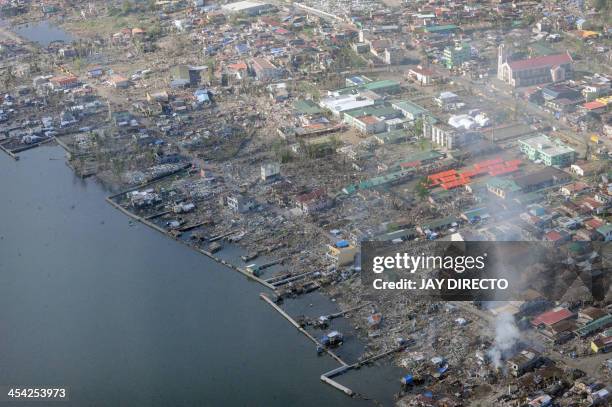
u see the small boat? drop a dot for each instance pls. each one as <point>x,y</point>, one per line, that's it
<point>334,338</point>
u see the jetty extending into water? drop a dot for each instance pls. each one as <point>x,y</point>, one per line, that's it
<point>327,377</point>
<point>302,330</point>
<point>9,153</point>
<point>344,367</point>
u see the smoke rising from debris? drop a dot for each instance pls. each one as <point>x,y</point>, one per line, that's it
<point>507,336</point>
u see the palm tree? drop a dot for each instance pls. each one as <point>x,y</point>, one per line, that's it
<point>422,188</point>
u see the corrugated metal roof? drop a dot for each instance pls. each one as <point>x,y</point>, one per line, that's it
<point>552,317</point>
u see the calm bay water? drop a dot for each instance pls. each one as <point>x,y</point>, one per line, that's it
<point>127,317</point>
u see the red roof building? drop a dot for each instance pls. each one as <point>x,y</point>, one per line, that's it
<point>533,71</point>
<point>594,223</point>
<point>238,66</point>
<point>552,317</point>
<point>594,106</point>
<point>547,61</point>
<point>64,82</point>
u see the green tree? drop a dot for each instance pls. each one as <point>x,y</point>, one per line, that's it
<point>422,188</point>
<point>417,128</point>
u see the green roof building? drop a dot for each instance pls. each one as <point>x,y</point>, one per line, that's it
<point>595,326</point>
<point>409,109</point>
<point>388,85</point>
<point>403,234</point>
<point>503,188</point>
<point>456,55</point>
<point>382,110</point>
<point>370,119</point>
<point>307,107</point>
<point>387,179</point>
<point>549,151</point>
<point>384,86</point>
<point>422,157</point>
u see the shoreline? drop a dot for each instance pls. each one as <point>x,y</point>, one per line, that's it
<point>202,251</point>
<point>111,186</point>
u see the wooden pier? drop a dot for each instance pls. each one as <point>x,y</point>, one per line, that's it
<point>221,236</point>
<point>136,217</point>
<point>327,377</point>
<point>337,385</point>
<point>290,279</point>
<point>31,146</point>
<point>382,355</point>
<point>191,227</point>
<point>9,153</point>
<point>278,277</point>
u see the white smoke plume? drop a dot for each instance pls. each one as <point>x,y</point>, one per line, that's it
<point>507,336</point>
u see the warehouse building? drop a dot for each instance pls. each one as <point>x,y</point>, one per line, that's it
<point>410,110</point>
<point>339,104</point>
<point>371,119</point>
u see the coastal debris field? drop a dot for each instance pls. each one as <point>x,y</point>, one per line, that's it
<point>277,138</point>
